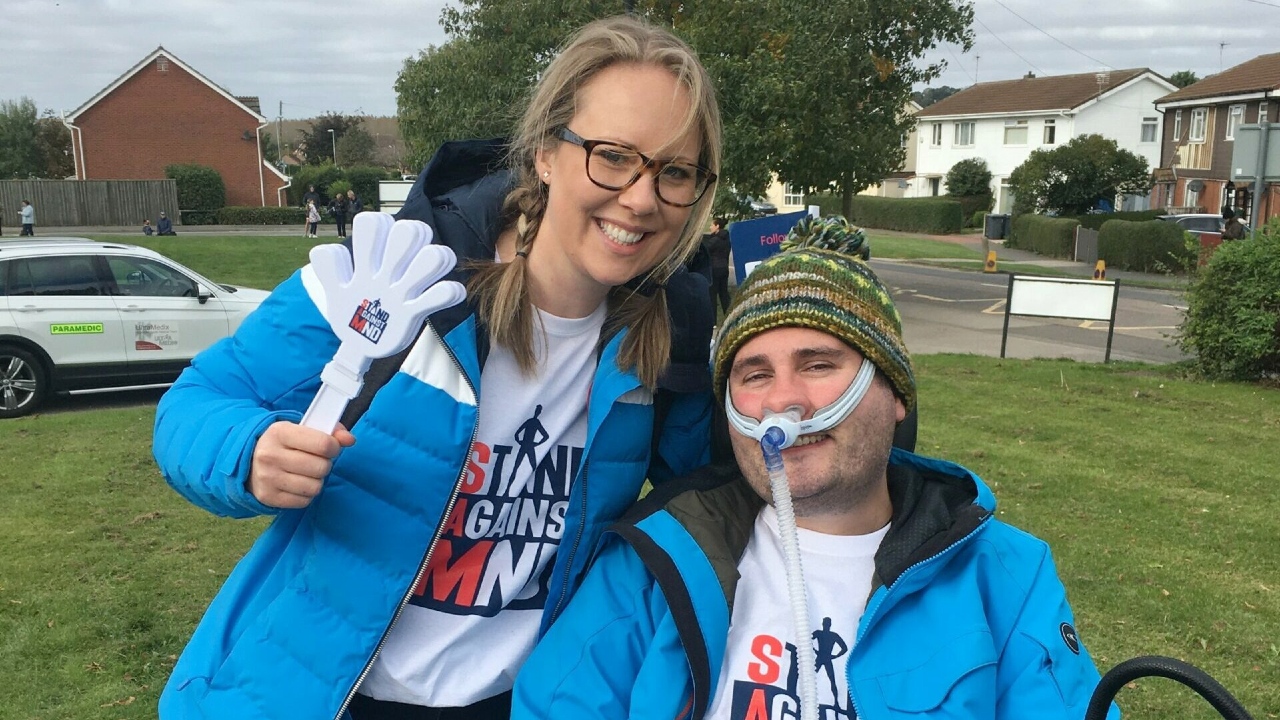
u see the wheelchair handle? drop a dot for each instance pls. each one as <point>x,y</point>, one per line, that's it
<point>1167,667</point>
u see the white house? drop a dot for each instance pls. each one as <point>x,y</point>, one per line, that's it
<point>1003,121</point>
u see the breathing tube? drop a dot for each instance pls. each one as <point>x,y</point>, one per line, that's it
<point>1166,667</point>
<point>775,432</point>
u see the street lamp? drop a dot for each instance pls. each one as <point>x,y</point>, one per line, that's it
<point>334,139</point>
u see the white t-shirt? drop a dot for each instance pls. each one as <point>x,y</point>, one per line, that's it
<point>472,621</point>
<point>759,676</point>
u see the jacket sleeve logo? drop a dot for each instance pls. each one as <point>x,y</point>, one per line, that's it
<point>370,320</point>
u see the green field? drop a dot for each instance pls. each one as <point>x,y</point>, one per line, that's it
<point>1158,495</point>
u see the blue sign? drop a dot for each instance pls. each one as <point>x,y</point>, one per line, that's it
<point>755,240</point>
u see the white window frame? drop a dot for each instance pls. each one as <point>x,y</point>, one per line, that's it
<point>790,197</point>
<point>959,134</point>
<point>1016,125</point>
<point>1152,124</point>
<point>1262,111</point>
<point>1050,136</point>
<point>1235,118</point>
<point>1198,128</point>
<point>936,137</point>
<point>1177,125</point>
<point>1190,198</point>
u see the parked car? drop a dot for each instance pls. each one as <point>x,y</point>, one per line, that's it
<point>1199,222</point>
<point>80,316</point>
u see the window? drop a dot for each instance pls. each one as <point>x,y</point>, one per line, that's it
<point>964,134</point>
<point>1177,125</point>
<point>138,277</point>
<point>162,64</point>
<point>1235,116</point>
<point>1191,199</point>
<point>935,186</point>
<point>937,135</point>
<point>4,274</point>
<point>1015,132</point>
<point>1050,132</point>
<point>1199,119</point>
<point>792,195</point>
<point>1262,112</point>
<point>1149,125</point>
<point>57,275</point>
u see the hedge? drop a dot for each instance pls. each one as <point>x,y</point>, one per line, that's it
<point>933,215</point>
<point>1152,245</point>
<point>973,206</point>
<point>201,192</point>
<point>1054,237</point>
<point>364,180</point>
<point>1096,220</point>
<point>263,216</point>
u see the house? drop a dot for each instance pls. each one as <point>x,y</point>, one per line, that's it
<point>1200,121</point>
<point>161,112</point>
<point>1002,122</point>
<point>898,184</point>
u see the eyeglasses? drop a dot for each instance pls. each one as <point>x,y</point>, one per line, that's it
<point>618,167</point>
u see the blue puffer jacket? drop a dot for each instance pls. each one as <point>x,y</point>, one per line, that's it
<point>300,618</point>
<point>967,618</point>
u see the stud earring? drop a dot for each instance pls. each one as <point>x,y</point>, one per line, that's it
<point>546,174</point>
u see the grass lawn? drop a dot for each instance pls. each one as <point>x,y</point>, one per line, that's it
<point>1158,495</point>
<point>221,258</point>
<point>898,247</point>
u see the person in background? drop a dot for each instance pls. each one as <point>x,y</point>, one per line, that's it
<point>409,573</point>
<point>311,196</point>
<point>1232,228</point>
<point>164,226</point>
<point>716,243</point>
<point>313,218</point>
<point>921,603</point>
<point>28,218</point>
<point>147,229</point>
<point>354,206</point>
<point>338,208</point>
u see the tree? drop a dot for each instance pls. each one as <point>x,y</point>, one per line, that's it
<point>53,143</point>
<point>929,96</point>
<point>968,178</point>
<point>356,147</point>
<point>811,92</point>
<point>1073,178</point>
<point>19,148</point>
<point>1183,78</point>
<point>317,142</point>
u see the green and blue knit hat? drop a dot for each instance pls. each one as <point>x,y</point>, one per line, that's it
<point>817,281</point>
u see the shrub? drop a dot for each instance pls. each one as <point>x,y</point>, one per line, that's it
<point>322,176</point>
<point>1051,236</point>
<point>934,215</point>
<point>971,204</point>
<point>338,187</point>
<point>1232,325</point>
<point>1151,245</point>
<point>969,178</point>
<point>364,180</point>
<point>1095,221</point>
<point>200,191</point>
<point>978,219</point>
<point>829,204</point>
<point>261,216</point>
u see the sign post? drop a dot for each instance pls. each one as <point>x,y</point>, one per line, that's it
<point>1048,297</point>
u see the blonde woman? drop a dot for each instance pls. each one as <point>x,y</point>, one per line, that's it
<point>408,575</point>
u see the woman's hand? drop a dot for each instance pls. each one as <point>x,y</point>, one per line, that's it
<point>290,463</point>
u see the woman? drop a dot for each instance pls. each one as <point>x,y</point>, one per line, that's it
<point>410,575</point>
<point>338,207</point>
<point>313,218</point>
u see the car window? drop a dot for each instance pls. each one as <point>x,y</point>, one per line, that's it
<point>4,278</point>
<point>139,277</point>
<point>56,275</point>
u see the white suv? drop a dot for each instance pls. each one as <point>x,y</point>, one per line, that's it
<point>83,316</point>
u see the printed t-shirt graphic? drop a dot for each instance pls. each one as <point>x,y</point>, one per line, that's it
<point>759,678</point>
<point>474,615</point>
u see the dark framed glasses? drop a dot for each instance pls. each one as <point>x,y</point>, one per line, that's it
<point>618,167</point>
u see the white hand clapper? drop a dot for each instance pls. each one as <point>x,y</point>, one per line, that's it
<point>376,307</point>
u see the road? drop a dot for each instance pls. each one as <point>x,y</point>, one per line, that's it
<point>963,312</point>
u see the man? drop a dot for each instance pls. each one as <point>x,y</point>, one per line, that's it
<point>28,219</point>
<point>1232,227</point>
<point>716,244</point>
<point>164,226</point>
<point>311,196</point>
<point>921,603</point>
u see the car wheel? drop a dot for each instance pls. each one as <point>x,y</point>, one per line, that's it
<point>23,382</point>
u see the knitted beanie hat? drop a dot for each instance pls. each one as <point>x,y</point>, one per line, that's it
<point>817,282</point>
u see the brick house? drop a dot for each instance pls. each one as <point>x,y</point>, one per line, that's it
<point>1200,121</point>
<point>160,112</point>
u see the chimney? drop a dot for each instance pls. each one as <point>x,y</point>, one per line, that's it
<point>1029,76</point>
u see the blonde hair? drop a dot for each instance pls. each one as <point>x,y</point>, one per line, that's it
<point>501,289</point>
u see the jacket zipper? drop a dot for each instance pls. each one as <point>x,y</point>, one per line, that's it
<point>577,539</point>
<point>426,558</point>
<point>871,612</point>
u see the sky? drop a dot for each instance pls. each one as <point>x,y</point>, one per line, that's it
<point>317,57</point>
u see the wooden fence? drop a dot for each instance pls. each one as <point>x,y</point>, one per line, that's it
<point>89,202</point>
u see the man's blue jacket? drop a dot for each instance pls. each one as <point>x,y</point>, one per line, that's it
<point>298,622</point>
<point>967,617</point>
